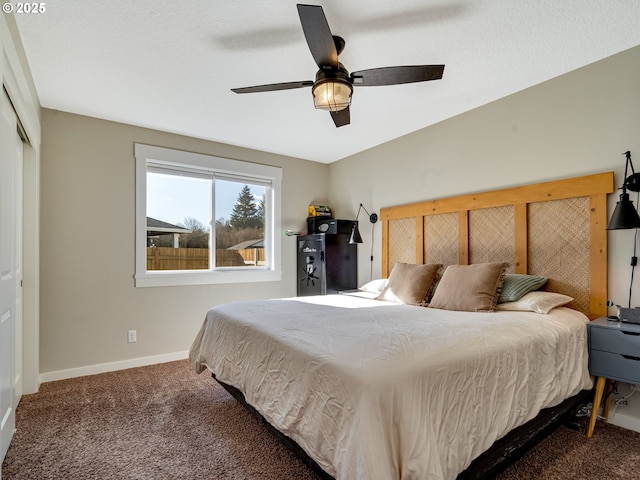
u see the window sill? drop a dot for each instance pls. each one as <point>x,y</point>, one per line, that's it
<point>173,278</point>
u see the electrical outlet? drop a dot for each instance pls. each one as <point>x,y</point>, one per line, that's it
<point>132,336</point>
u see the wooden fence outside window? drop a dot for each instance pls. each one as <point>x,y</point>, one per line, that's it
<point>168,258</point>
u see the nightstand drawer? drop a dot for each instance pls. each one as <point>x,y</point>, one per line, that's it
<point>614,340</point>
<point>615,366</point>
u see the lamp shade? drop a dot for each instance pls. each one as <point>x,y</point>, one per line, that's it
<point>332,95</point>
<point>355,235</point>
<point>625,215</point>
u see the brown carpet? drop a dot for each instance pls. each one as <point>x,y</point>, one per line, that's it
<point>166,422</point>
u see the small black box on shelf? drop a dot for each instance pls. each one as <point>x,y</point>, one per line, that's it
<point>329,225</point>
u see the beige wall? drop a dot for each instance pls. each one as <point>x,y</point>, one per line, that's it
<point>88,298</point>
<point>573,125</point>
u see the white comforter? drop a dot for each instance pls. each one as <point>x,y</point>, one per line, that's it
<point>375,390</point>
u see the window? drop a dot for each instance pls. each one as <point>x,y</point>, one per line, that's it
<point>202,219</point>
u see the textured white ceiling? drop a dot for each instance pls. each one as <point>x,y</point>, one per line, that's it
<point>170,65</point>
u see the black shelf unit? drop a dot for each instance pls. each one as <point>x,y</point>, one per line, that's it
<point>326,264</point>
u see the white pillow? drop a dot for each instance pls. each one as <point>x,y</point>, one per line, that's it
<point>375,286</point>
<point>538,302</point>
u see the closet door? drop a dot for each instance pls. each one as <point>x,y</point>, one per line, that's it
<point>9,289</point>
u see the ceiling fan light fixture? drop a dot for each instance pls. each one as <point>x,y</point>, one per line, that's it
<point>333,95</point>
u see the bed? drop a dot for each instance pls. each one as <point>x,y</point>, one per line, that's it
<point>371,388</point>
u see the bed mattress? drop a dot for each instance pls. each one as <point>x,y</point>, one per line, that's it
<point>378,390</point>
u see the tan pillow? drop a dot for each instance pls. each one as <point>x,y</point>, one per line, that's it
<point>410,283</point>
<point>470,288</point>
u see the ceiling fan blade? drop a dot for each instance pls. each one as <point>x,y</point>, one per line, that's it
<point>273,86</point>
<point>318,34</point>
<point>343,117</point>
<point>396,75</point>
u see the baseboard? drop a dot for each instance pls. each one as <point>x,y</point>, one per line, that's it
<point>627,416</point>
<point>625,421</point>
<point>111,367</point>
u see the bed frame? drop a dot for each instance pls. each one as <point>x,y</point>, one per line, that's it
<point>503,452</point>
<point>555,229</point>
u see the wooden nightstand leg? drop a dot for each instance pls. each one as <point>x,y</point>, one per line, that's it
<point>596,405</point>
<point>607,401</point>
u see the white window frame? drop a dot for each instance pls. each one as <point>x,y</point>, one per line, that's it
<point>147,157</point>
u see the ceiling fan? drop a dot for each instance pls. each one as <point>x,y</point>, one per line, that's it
<point>333,86</point>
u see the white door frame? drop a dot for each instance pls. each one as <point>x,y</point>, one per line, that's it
<point>15,78</point>
<point>8,282</point>
<point>19,174</point>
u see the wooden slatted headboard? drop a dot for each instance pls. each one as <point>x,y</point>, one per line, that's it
<point>556,229</point>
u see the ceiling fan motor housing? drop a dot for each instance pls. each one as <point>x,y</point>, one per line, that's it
<point>332,89</point>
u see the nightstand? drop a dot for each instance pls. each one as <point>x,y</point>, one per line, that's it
<point>614,354</point>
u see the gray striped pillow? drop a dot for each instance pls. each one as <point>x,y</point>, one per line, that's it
<point>517,285</point>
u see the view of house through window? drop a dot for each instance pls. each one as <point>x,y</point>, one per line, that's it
<point>178,212</point>
<point>180,206</point>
